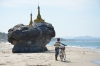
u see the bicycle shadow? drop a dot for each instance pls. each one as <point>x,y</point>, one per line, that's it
<point>66,61</point>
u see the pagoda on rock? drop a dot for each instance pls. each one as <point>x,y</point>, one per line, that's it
<point>39,18</point>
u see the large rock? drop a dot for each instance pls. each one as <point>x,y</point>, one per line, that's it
<point>30,39</point>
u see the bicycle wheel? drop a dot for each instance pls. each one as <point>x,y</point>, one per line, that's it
<point>60,54</point>
<point>64,58</point>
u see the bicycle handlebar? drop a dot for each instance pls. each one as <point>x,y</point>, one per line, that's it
<point>63,44</point>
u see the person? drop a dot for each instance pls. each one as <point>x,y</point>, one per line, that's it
<point>57,47</point>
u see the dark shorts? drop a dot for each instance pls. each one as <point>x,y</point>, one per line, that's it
<point>56,51</point>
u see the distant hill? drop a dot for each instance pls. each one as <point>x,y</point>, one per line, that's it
<point>79,38</point>
<point>3,37</point>
<point>82,38</point>
<point>55,39</point>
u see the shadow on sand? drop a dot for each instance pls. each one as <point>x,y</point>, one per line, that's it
<point>66,61</point>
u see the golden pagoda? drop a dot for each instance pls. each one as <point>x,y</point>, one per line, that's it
<point>31,22</point>
<point>39,19</point>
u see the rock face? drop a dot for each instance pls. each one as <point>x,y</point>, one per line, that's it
<point>30,39</point>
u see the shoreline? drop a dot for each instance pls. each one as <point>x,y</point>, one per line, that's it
<point>96,62</point>
<point>92,48</point>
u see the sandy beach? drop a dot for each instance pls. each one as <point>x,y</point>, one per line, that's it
<point>74,57</point>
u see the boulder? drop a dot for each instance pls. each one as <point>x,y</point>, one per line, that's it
<point>29,39</point>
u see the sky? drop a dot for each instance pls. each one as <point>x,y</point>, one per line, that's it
<point>68,17</point>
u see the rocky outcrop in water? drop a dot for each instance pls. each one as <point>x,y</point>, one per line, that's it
<point>27,38</point>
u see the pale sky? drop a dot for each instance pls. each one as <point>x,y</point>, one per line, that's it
<point>69,17</point>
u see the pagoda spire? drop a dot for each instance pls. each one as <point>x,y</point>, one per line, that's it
<point>39,18</point>
<point>31,19</point>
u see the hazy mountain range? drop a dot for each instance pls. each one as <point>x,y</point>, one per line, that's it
<point>79,38</point>
<point>3,37</point>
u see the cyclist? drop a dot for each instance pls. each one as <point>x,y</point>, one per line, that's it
<point>57,47</point>
<point>57,44</point>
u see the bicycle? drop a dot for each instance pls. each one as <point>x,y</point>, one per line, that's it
<point>62,54</point>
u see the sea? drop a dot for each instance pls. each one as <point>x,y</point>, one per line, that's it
<point>80,44</point>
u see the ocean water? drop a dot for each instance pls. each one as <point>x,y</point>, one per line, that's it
<point>92,45</point>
